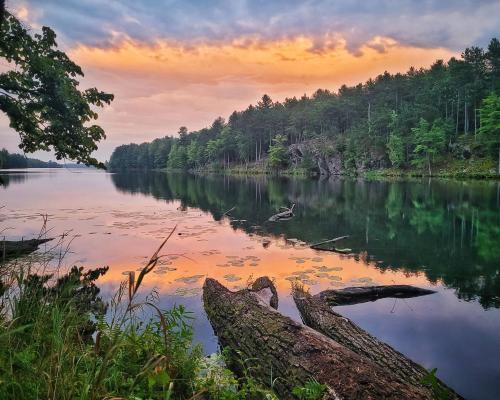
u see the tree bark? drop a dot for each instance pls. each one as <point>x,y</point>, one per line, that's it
<point>279,352</point>
<point>317,314</point>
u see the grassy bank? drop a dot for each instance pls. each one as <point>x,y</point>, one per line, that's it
<point>60,340</point>
<point>452,168</point>
<point>482,168</point>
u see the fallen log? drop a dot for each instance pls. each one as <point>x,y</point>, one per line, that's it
<point>317,314</point>
<point>288,213</point>
<point>277,351</point>
<point>10,249</point>
<point>363,294</point>
<point>317,246</point>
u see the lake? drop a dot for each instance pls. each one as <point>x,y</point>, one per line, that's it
<point>438,234</point>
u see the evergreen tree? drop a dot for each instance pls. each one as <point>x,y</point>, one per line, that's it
<point>395,145</point>
<point>429,142</point>
<point>278,152</point>
<point>489,133</point>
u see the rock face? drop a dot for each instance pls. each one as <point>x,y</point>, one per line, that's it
<point>328,160</point>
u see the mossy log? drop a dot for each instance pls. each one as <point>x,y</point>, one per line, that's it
<point>362,294</point>
<point>279,352</point>
<point>10,249</point>
<point>317,314</point>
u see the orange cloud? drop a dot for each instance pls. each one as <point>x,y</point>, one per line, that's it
<point>285,62</point>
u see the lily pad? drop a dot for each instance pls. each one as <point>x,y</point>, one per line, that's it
<point>190,279</point>
<point>232,278</point>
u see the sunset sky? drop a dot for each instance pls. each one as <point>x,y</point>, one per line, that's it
<point>172,63</point>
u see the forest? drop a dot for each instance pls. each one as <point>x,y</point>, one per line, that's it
<point>449,111</point>
<point>14,160</point>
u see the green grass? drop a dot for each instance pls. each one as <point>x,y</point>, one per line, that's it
<point>312,390</point>
<point>480,168</point>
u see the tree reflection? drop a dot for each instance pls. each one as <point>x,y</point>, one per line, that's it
<point>448,230</point>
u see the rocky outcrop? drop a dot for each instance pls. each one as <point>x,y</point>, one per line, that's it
<point>328,160</point>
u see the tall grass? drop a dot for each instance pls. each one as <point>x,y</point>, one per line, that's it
<point>60,340</point>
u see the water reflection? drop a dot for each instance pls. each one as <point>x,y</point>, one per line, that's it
<point>404,232</point>
<point>7,179</point>
<point>447,230</point>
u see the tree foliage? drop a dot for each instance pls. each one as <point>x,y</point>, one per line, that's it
<point>40,95</point>
<point>489,133</point>
<point>429,142</point>
<point>152,155</point>
<point>278,152</point>
<point>395,145</point>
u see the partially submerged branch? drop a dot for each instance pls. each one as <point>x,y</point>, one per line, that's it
<point>318,246</point>
<point>362,294</point>
<point>287,214</point>
<point>229,211</point>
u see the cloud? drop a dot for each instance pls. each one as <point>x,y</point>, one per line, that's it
<point>179,62</point>
<point>453,24</point>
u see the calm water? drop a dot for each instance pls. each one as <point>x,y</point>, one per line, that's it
<point>439,234</point>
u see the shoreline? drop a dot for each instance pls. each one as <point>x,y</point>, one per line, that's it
<point>371,174</point>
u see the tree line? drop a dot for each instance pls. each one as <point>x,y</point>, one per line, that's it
<point>14,160</point>
<point>450,109</point>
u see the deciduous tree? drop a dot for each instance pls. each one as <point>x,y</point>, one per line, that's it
<point>40,95</point>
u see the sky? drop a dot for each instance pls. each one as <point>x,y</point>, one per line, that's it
<point>173,63</point>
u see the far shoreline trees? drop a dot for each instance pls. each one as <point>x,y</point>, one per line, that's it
<point>445,112</point>
<point>13,160</point>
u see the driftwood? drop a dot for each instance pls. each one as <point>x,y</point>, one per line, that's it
<point>317,314</point>
<point>229,211</point>
<point>363,294</point>
<point>277,351</point>
<point>288,213</point>
<point>318,246</point>
<point>12,249</point>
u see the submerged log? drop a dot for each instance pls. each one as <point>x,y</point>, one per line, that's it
<point>363,294</point>
<point>317,314</point>
<point>319,245</point>
<point>228,212</point>
<point>12,249</point>
<point>288,213</point>
<point>277,351</point>
<point>329,241</point>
